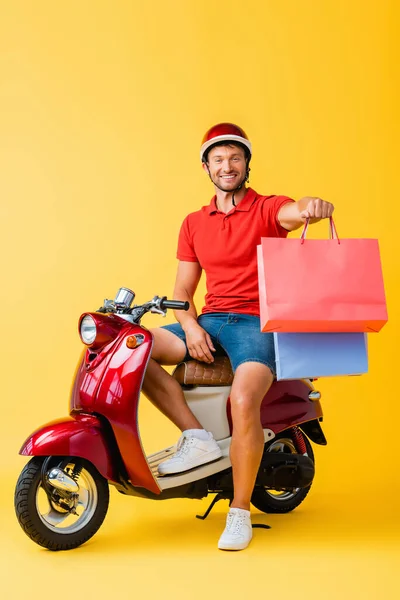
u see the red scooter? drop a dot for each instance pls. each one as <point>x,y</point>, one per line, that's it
<point>62,494</point>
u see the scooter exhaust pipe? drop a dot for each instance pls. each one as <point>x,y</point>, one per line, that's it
<point>61,481</point>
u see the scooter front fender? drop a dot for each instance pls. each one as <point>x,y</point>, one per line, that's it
<point>80,435</point>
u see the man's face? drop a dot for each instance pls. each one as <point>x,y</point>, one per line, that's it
<point>226,166</point>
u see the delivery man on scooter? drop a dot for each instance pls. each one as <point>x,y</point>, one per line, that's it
<point>221,239</point>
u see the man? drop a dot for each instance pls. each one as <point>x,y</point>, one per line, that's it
<point>221,239</point>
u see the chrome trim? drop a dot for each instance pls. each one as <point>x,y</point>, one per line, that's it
<point>126,317</point>
<point>61,481</point>
<point>64,521</point>
<point>124,297</point>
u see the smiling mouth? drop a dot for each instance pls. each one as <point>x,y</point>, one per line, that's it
<point>227,177</point>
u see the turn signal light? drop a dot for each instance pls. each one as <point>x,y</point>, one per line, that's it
<point>132,342</point>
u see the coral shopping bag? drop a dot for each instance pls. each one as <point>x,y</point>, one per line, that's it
<point>321,285</point>
<point>309,355</point>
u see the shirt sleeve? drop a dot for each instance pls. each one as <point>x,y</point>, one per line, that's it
<point>272,207</point>
<point>185,244</point>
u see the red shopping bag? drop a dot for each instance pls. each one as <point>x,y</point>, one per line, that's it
<point>321,285</point>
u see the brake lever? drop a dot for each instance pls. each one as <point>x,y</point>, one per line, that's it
<point>156,306</point>
<point>158,311</point>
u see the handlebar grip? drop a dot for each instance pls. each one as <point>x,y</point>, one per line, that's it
<point>175,304</point>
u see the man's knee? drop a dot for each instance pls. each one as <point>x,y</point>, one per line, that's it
<point>168,348</point>
<point>245,405</point>
<point>251,382</point>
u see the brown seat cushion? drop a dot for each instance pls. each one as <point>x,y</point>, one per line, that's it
<point>194,372</point>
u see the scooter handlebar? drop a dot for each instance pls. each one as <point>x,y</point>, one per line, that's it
<point>174,304</point>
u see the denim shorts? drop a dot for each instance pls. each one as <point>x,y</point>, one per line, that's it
<point>236,335</point>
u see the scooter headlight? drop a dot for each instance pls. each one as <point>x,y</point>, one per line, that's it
<point>88,330</point>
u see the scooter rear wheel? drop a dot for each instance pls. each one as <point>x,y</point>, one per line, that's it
<point>46,521</point>
<point>284,501</point>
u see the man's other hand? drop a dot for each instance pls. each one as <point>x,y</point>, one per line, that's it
<point>199,344</point>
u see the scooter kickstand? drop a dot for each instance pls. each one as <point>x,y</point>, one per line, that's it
<point>209,509</point>
<point>220,496</point>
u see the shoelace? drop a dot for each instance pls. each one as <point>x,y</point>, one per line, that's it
<point>235,522</point>
<point>183,446</point>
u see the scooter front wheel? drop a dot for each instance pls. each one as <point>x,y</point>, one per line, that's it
<point>58,519</point>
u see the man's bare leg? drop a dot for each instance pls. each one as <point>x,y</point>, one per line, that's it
<point>251,382</point>
<point>160,387</point>
<point>196,447</point>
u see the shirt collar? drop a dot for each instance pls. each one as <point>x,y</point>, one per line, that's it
<point>243,206</point>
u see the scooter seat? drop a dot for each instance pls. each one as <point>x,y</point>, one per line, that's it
<point>194,372</point>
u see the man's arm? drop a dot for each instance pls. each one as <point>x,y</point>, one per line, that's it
<point>187,280</point>
<point>198,340</point>
<point>294,214</point>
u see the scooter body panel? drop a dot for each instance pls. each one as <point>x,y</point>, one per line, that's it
<point>209,406</point>
<point>117,399</point>
<point>108,381</point>
<point>287,404</point>
<point>93,364</point>
<point>78,435</point>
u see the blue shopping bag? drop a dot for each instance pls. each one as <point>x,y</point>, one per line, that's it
<point>309,355</point>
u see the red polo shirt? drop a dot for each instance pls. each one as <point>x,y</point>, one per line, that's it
<point>225,245</point>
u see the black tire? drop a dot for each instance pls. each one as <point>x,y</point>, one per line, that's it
<point>263,498</point>
<point>28,488</point>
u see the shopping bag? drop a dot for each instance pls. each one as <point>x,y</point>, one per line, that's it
<point>321,285</point>
<point>310,355</point>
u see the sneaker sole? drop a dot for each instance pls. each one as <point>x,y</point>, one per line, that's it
<point>210,457</point>
<point>242,546</point>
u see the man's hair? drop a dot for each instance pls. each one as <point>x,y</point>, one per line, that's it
<point>228,143</point>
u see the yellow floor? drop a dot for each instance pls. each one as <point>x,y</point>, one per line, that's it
<point>334,546</point>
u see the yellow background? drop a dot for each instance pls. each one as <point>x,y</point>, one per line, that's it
<point>102,109</point>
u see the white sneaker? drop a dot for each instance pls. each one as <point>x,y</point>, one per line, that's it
<point>238,532</point>
<point>191,452</point>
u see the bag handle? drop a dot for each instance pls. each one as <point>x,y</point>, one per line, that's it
<point>332,231</point>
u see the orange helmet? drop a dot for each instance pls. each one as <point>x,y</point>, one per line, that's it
<point>224,132</point>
